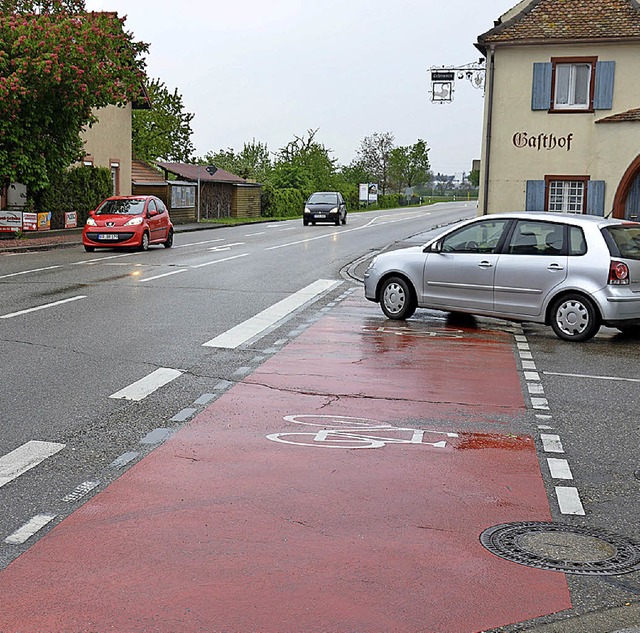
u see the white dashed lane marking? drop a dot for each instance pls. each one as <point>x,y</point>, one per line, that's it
<point>568,497</point>
<point>24,458</point>
<point>147,385</point>
<point>266,319</point>
<point>30,528</point>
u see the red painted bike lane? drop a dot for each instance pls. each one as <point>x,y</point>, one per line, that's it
<point>343,486</point>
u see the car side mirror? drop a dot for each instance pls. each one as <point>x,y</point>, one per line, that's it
<point>92,212</point>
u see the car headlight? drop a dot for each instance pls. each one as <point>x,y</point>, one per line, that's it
<point>91,222</point>
<point>334,210</point>
<point>307,210</point>
<point>135,221</point>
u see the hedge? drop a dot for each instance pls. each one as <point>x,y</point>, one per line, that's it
<point>79,189</point>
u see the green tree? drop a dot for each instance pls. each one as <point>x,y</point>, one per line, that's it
<point>409,165</point>
<point>474,177</point>
<point>305,164</point>
<point>253,162</point>
<point>164,131</point>
<point>374,155</point>
<point>57,64</point>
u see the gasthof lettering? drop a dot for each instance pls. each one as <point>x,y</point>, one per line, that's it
<point>542,141</point>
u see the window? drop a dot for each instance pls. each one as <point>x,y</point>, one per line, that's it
<point>577,243</point>
<point>183,196</point>
<point>572,84</point>
<point>565,194</point>
<point>623,240</point>
<point>536,238</point>
<point>481,237</point>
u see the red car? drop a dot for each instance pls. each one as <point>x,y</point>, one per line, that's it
<point>128,221</point>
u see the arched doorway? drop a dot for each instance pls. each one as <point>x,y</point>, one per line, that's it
<point>626,204</point>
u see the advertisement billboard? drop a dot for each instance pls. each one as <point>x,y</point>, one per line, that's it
<point>10,221</point>
<point>368,192</point>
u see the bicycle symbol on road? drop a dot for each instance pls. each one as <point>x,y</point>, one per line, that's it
<point>348,432</point>
<point>399,330</point>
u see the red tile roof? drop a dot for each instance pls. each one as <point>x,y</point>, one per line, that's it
<point>542,20</point>
<point>192,172</point>
<point>630,116</point>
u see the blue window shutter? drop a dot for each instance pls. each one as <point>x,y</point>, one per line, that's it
<point>535,195</point>
<point>603,92</point>
<point>595,197</point>
<point>541,89</point>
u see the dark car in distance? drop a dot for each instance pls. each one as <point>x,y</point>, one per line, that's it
<point>325,206</point>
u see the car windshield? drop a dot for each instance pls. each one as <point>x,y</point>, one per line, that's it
<point>123,207</point>
<point>626,238</point>
<point>323,198</point>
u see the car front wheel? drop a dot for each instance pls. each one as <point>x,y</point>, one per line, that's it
<point>574,318</point>
<point>397,299</point>
<point>144,242</point>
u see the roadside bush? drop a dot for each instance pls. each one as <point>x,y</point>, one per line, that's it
<point>391,201</point>
<point>282,203</point>
<point>79,189</point>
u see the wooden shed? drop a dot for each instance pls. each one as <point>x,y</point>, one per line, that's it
<point>179,196</point>
<point>222,194</point>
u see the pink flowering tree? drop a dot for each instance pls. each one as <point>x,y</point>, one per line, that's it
<point>57,64</point>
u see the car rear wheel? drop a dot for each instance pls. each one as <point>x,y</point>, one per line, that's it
<point>169,242</point>
<point>144,242</point>
<point>397,299</point>
<point>574,318</point>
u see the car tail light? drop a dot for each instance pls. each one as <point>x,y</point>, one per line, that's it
<point>618,274</point>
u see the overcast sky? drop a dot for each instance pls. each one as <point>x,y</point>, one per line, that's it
<point>349,68</point>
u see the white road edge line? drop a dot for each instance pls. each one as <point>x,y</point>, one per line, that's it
<point>23,534</point>
<point>569,500</point>
<point>26,457</point>
<point>559,468</point>
<point>551,443</point>
<point>142,388</point>
<point>257,324</point>
<point>43,307</point>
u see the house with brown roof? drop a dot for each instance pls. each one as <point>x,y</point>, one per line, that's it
<point>179,196</point>
<point>562,108</point>
<point>222,194</point>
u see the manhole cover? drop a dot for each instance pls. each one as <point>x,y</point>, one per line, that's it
<point>564,548</point>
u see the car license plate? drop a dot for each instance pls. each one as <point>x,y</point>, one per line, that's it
<point>107,236</point>
<point>320,215</point>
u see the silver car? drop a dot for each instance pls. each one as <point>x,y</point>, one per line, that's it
<point>573,272</point>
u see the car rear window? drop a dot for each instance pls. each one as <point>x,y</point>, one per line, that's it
<point>623,240</point>
<point>124,207</point>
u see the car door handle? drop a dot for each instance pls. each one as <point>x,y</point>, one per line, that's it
<point>555,267</point>
<point>485,264</point>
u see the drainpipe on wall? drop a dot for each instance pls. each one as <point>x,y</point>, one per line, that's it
<point>487,141</point>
